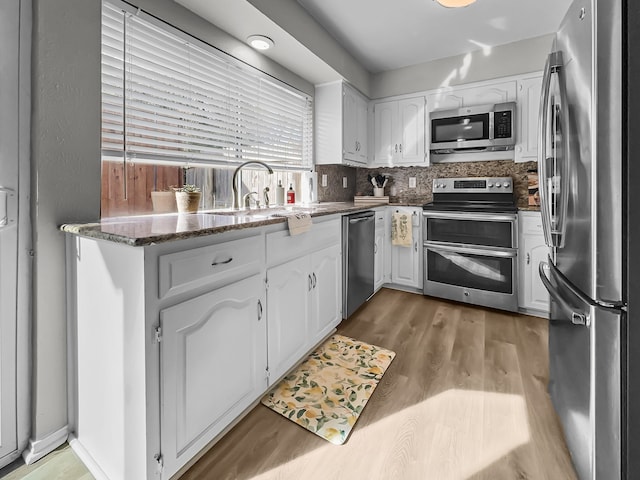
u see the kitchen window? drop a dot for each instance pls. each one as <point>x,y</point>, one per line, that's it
<point>176,110</point>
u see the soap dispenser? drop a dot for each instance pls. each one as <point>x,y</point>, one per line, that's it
<point>279,193</point>
<point>291,194</point>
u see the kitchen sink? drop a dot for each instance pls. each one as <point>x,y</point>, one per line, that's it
<point>264,212</point>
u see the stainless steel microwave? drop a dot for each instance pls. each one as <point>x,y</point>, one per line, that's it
<point>482,128</point>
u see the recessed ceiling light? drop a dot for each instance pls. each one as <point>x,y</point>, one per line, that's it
<point>455,3</point>
<point>260,42</point>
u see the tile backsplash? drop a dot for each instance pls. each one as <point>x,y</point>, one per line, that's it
<point>398,185</point>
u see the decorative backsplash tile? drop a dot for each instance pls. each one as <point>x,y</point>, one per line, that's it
<point>334,191</point>
<point>398,185</point>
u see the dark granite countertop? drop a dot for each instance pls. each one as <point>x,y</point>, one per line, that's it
<point>150,229</point>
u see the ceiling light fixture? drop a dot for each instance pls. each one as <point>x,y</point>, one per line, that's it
<point>260,42</point>
<point>455,3</point>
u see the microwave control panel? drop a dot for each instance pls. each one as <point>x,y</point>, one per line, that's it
<point>502,124</point>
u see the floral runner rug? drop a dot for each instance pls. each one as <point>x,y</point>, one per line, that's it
<point>328,391</point>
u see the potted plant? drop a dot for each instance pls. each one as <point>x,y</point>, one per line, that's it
<point>164,201</point>
<point>188,198</point>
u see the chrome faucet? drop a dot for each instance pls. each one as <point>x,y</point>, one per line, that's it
<point>234,180</point>
<point>246,200</point>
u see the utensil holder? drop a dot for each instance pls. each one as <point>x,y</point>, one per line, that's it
<point>378,191</point>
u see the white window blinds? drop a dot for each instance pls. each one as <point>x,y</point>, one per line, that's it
<point>170,97</point>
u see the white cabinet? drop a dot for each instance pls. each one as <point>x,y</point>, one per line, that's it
<point>289,313</point>
<point>304,292</point>
<point>399,132</point>
<point>406,262</point>
<point>529,89</point>
<point>459,97</point>
<point>532,251</point>
<point>382,259</point>
<point>340,125</point>
<point>213,361</point>
<point>326,294</point>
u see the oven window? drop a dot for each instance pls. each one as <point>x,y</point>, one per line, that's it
<point>494,274</point>
<point>470,232</point>
<point>470,127</point>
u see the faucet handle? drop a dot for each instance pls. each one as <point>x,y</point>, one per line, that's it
<point>265,194</point>
<point>247,200</point>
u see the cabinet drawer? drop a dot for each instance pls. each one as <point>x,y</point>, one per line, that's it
<point>531,223</point>
<point>213,265</point>
<point>283,247</point>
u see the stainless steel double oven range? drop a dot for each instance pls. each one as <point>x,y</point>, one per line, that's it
<point>470,233</point>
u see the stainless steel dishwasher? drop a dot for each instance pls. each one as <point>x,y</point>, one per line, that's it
<point>358,239</point>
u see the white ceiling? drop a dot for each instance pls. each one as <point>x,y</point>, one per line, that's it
<point>385,35</point>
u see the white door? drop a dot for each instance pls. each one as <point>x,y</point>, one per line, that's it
<point>536,296</point>
<point>9,135</point>
<point>362,128</point>
<point>378,265</point>
<point>288,313</point>
<point>349,119</point>
<point>384,121</point>
<point>214,359</point>
<point>411,131</point>
<point>529,109</point>
<point>406,262</point>
<point>326,272</point>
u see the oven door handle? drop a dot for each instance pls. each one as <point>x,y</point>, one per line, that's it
<point>471,250</point>
<point>471,216</point>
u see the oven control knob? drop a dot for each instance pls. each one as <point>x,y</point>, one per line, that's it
<point>489,184</point>
<point>505,184</point>
<point>498,185</point>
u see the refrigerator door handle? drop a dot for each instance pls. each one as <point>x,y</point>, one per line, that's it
<point>607,305</point>
<point>553,152</point>
<point>577,318</point>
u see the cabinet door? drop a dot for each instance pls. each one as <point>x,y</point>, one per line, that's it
<point>535,251</point>
<point>361,125</point>
<point>378,267</point>
<point>326,272</point>
<point>288,313</point>
<point>406,262</point>
<point>385,118</point>
<point>411,131</point>
<point>529,111</point>
<point>213,361</point>
<point>497,93</point>
<point>350,119</point>
<point>444,101</point>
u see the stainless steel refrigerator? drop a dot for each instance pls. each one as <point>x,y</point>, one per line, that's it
<point>581,169</point>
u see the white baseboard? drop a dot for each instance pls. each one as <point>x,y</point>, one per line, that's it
<point>39,448</point>
<point>86,458</point>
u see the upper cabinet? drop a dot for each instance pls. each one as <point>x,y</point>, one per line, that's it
<point>459,97</point>
<point>529,89</point>
<point>341,125</point>
<point>399,132</point>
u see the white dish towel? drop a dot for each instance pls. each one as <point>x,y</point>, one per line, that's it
<point>401,229</point>
<point>299,223</point>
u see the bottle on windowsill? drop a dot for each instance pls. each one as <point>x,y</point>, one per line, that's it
<point>291,194</point>
<point>279,193</point>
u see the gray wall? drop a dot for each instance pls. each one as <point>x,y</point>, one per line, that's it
<point>65,180</point>
<point>511,59</point>
<point>66,164</point>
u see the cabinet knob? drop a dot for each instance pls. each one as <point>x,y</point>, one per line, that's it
<point>396,148</point>
<point>400,148</point>
<point>528,258</point>
<point>259,310</point>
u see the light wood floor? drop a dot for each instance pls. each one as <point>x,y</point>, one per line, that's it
<point>465,398</point>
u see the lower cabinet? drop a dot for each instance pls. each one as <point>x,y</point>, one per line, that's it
<point>381,251</point>
<point>304,301</point>
<point>213,358</point>
<point>289,311</point>
<point>532,251</point>
<point>406,262</point>
<point>171,342</point>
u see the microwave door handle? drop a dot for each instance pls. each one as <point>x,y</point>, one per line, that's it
<point>543,129</point>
